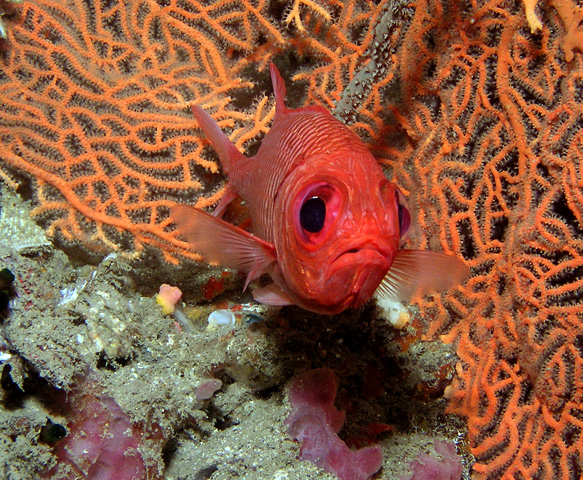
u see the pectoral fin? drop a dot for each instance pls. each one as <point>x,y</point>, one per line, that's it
<point>421,272</point>
<point>221,243</point>
<point>272,295</point>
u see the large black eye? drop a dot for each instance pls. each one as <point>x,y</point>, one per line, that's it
<point>313,214</point>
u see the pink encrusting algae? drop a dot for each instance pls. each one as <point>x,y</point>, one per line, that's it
<point>428,467</point>
<point>315,422</point>
<point>101,442</point>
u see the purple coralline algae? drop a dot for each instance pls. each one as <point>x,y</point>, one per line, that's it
<point>427,467</point>
<point>101,442</point>
<point>315,422</point>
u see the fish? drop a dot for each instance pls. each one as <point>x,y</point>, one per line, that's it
<point>327,225</point>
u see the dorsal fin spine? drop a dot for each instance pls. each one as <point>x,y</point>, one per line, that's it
<point>224,147</point>
<point>279,90</point>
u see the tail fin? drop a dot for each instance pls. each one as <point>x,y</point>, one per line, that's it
<point>226,150</point>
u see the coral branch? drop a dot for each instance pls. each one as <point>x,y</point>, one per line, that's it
<point>478,121</point>
<point>96,111</point>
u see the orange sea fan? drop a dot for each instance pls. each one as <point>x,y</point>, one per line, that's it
<point>341,43</point>
<point>479,120</point>
<point>94,109</point>
<point>493,115</point>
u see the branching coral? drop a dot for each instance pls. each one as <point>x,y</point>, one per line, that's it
<point>493,162</point>
<point>95,110</point>
<point>571,15</point>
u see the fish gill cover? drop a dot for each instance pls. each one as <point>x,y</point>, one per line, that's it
<point>475,111</point>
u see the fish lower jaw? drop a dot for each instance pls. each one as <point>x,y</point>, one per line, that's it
<point>360,256</point>
<point>358,274</point>
<point>366,284</point>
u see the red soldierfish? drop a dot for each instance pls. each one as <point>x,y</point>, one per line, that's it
<point>327,224</point>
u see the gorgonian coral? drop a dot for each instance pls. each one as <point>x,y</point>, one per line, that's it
<point>475,116</point>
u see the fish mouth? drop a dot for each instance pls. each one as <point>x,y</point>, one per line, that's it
<point>364,265</point>
<point>363,252</point>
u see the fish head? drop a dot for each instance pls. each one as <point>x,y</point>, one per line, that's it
<point>342,225</point>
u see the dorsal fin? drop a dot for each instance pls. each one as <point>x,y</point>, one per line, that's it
<point>279,90</point>
<point>223,146</point>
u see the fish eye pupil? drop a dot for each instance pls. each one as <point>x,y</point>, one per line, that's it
<point>313,214</point>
